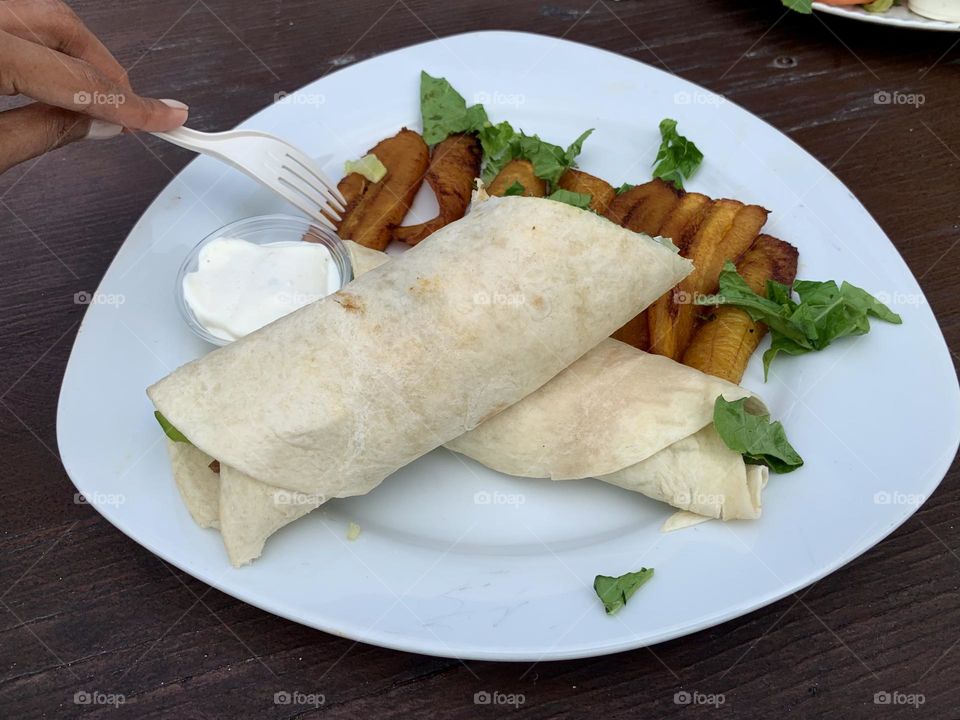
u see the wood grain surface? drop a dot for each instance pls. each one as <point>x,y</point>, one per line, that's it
<point>84,609</point>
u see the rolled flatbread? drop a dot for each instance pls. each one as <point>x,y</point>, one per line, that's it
<point>640,421</point>
<point>198,484</point>
<point>585,420</point>
<point>331,399</point>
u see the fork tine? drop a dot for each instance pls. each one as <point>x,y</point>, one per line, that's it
<point>297,199</point>
<point>319,178</point>
<point>298,183</point>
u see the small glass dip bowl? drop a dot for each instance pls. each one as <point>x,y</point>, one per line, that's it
<point>263,230</point>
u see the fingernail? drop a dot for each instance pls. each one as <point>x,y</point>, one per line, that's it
<point>102,130</point>
<point>176,104</point>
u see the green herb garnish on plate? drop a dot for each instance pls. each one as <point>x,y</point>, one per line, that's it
<point>615,591</point>
<point>678,158</point>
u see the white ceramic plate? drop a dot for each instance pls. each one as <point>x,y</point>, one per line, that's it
<point>457,560</point>
<point>899,16</point>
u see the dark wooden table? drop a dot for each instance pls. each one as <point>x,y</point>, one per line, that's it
<point>82,608</point>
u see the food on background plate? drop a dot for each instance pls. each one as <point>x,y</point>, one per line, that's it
<point>310,408</point>
<point>728,337</point>
<point>376,209</point>
<point>942,10</point>
<point>454,163</point>
<point>875,6</point>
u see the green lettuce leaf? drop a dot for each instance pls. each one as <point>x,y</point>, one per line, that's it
<point>678,158</point>
<point>550,161</point>
<point>444,112</point>
<point>170,431</point>
<point>516,188</point>
<point>615,591</point>
<point>575,148</point>
<point>760,441</point>
<point>500,145</point>
<point>623,188</point>
<point>580,200</point>
<point>825,313</point>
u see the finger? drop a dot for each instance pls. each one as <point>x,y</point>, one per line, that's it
<point>57,79</point>
<point>54,25</point>
<point>32,130</point>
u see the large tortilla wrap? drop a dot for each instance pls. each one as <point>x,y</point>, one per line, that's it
<point>330,400</point>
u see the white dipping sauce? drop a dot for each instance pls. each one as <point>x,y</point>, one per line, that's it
<point>239,286</point>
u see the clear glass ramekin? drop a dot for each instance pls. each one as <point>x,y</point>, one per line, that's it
<point>263,230</point>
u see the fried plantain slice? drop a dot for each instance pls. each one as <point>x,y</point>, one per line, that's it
<point>644,208</point>
<point>600,191</point>
<point>684,218</point>
<point>380,207</point>
<point>648,215</point>
<point>453,166</point>
<point>723,344</point>
<point>519,171</point>
<point>623,205</point>
<point>352,186</point>
<point>723,232</point>
<point>635,332</point>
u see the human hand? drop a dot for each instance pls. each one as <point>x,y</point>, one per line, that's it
<point>49,55</point>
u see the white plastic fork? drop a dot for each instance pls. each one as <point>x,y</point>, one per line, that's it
<point>273,163</point>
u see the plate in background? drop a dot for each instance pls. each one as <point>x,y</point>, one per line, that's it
<point>897,16</point>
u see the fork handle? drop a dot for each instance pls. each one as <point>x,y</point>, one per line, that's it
<point>190,139</point>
